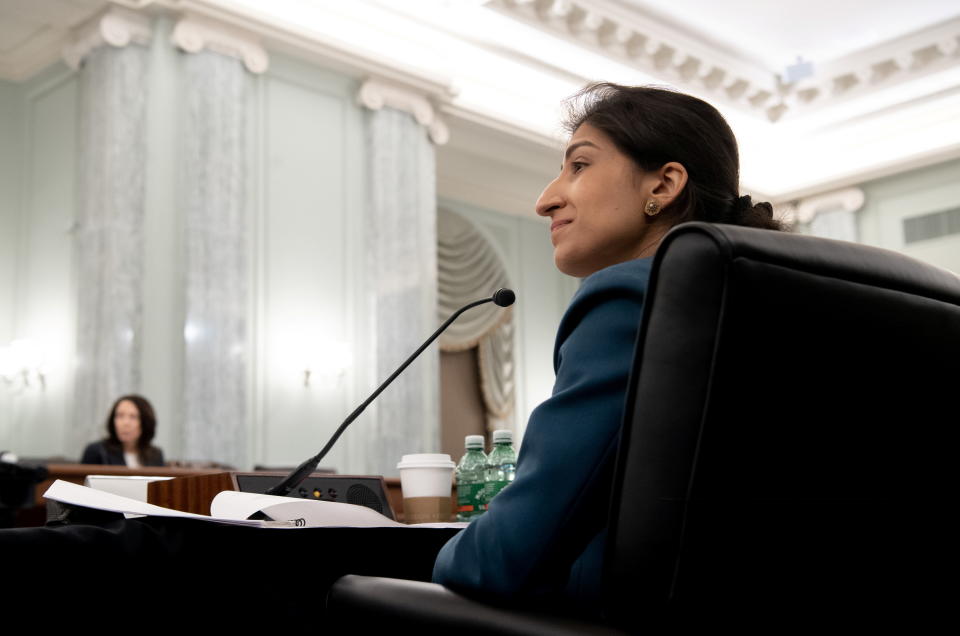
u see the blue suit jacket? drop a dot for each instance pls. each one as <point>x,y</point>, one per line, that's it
<point>543,536</point>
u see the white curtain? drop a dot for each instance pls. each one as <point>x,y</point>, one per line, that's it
<point>215,413</point>
<point>109,234</point>
<point>468,269</point>
<point>401,272</point>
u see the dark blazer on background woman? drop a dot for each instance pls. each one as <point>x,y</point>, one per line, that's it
<point>103,452</point>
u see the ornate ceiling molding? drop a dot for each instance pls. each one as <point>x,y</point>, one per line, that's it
<point>682,60</point>
<point>909,57</point>
<point>880,111</point>
<point>194,34</point>
<point>375,94</point>
<point>116,27</point>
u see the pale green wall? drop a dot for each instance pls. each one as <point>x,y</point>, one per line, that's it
<point>38,285</point>
<point>161,363</point>
<point>889,201</point>
<point>542,296</point>
<point>11,148</point>
<point>309,268</point>
<point>46,298</point>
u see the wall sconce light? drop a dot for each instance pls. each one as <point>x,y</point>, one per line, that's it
<point>22,365</point>
<point>327,360</point>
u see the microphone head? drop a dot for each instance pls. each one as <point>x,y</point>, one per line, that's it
<point>504,297</point>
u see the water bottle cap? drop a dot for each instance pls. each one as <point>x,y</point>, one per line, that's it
<point>502,436</point>
<point>473,441</point>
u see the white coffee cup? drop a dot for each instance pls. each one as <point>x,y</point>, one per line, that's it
<point>426,480</point>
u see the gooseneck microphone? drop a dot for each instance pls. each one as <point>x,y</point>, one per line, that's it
<point>501,297</point>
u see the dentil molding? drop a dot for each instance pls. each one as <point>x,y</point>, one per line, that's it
<point>116,27</point>
<point>194,34</point>
<point>375,94</point>
<point>678,57</point>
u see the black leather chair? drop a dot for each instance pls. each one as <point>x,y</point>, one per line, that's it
<point>785,445</point>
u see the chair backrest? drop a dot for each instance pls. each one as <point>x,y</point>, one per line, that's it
<point>786,425</point>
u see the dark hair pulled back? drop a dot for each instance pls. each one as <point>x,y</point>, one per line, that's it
<point>654,126</point>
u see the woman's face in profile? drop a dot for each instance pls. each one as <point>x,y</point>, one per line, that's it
<point>595,205</point>
<point>126,421</point>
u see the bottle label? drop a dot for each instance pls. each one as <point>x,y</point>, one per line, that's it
<point>470,498</point>
<point>493,487</point>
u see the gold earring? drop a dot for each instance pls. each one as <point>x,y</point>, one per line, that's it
<point>652,208</point>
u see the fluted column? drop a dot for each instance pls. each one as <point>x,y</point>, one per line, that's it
<point>109,230</point>
<point>216,414</point>
<point>401,266</point>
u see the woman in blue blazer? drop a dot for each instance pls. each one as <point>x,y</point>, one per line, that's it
<point>639,161</point>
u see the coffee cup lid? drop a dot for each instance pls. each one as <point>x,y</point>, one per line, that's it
<point>426,460</point>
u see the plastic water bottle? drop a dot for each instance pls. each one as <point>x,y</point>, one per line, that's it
<point>501,464</point>
<point>471,479</point>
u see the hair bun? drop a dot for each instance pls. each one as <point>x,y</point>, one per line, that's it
<point>744,206</point>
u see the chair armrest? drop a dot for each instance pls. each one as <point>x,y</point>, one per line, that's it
<point>375,602</point>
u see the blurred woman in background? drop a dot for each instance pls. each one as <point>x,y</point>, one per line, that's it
<point>131,426</point>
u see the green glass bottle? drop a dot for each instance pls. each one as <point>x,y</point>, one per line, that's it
<point>471,479</point>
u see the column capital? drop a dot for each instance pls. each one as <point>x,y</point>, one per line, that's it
<point>374,94</point>
<point>116,26</point>
<point>847,200</point>
<point>193,34</point>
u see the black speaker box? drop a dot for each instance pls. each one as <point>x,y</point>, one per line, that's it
<point>362,490</point>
